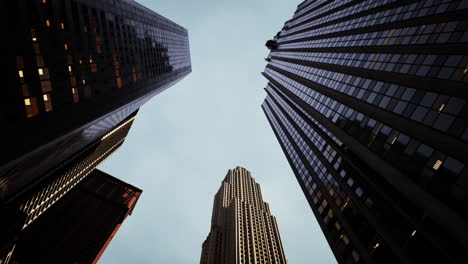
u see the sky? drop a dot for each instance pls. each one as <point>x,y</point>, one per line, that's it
<point>186,138</point>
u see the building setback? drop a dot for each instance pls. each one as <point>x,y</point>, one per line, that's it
<point>79,227</point>
<point>242,227</point>
<point>368,101</point>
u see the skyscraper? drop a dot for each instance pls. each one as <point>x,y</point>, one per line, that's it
<point>79,227</point>
<point>76,69</point>
<point>368,101</point>
<point>78,72</point>
<point>20,213</point>
<point>242,227</point>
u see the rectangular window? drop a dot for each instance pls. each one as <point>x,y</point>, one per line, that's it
<point>31,106</point>
<point>47,102</point>
<point>20,73</point>
<point>76,98</point>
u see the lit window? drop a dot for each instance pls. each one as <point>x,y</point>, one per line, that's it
<point>76,98</point>
<point>376,245</point>
<point>414,233</point>
<point>62,26</point>
<point>90,59</point>
<point>40,71</point>
<point>69,68</point>
<point>34,39</point>
<point>437,165</point>
<point>83,81</point>
<point>47,102</point>
<point>44,1</point>
<point>66,46</point>
<point>393,140</point>
<point>20,73</point>
<point>47,22</point>
<point>30,105</point>
<point>441,107</point>
<point>81,61</point>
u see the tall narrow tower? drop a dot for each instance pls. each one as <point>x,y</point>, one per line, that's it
<point>242,227</point>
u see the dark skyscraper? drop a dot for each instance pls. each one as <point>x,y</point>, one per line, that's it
<point>368,102</point>
<point>77,72</point>
<point>76,69</point>
<point>243,230</point>
<point>79,227</point>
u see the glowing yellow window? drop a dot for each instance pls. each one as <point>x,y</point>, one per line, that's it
<point>30,105</point>
<point>44,1</point>
<point>47,102</point>
<point>65,46</point>
<point>62,26</point>
<point>47,22</point>
<point>437,164</point>
<point>442,106</point>
<point>76,97</point>
<point>20,73</point>
<point>40,71</point>
<point>69,68</point>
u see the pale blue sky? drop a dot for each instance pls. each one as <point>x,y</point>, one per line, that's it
<point>185,139</point>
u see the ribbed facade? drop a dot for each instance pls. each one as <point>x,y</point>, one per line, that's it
<point>80,226</point>
<point>368,102</point>
<point>34,202</point>
<point>242,227</point>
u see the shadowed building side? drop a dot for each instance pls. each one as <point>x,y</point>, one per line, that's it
<point>368,101</point>
<point>79,227</point>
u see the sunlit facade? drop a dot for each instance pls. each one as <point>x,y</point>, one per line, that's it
<point>368,101</point>
<point>242,227</point>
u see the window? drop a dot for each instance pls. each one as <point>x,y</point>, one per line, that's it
<point>40,71</point>
<point>48,22</point>
<point>47,102</point>
<point>31,106</point>
<point>437,165</point>
<point>20,73</point>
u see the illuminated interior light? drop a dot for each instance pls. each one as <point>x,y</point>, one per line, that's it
<point>437,165</point>
<point>20,73</point>
<point>414,233</point>
<point>83,81</point>
<point>441,107</point>
<point>34,39</point>
<point>62,26</point>
<point>74,90</point>
<point>46,97</point>
<point>393,140</point>
<point>376,245</point>
<point>27,101</point>
<point>66,46</point>
<point>40,71</point>
<point>47,22</point>
<point>69,68</point>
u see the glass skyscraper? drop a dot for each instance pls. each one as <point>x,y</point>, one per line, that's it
<point>77,73</point>
<point>76,69</point>
<point>368,101</point>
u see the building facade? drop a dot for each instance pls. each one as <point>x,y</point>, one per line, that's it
<point>79,227</point>
<point>33,202</point>
<point>78,68</point>
<point>242,227</point>
<point>368,102</point>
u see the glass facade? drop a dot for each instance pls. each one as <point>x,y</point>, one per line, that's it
<point>368,101</point>
<point>76,69</point>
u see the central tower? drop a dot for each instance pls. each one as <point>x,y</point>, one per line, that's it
<point>242,227</point>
